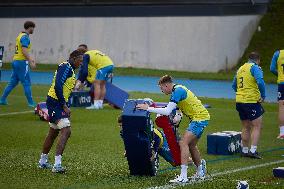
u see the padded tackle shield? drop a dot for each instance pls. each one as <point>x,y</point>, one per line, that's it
<point>115,95</point>
<point>42,111</point>
<point>138,139</point>
<point>164,123</point>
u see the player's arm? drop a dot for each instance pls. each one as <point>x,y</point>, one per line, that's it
<point>273,65</point>
<point>178,95</point>
<point>25,41</point>
<point>163,111</point>
<point>258,75</point>
<point>234,85</point>
<point>83,72</point>
<point>63,72</point>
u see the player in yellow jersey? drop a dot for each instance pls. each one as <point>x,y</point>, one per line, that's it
<point>277,68</point>
<point>58,110</point>
<point>21,62</point>
<point>96,61</point>
<point>192,107</point>
<point>250,92</point>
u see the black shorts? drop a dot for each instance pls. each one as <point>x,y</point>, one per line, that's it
<point>55,110</point>
<point>280,92</point>
<point>249,111</point>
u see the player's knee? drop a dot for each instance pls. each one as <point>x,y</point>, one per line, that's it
<point>66,132</point>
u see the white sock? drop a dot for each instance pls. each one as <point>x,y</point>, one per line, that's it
<point>57,160</point>
<point>101,103</point>
<point>183,171</point>
<point>43,158</point>
<point>96,102</point>
<point>245,150</point>
<point>253,149</point>
<point>281,130</point>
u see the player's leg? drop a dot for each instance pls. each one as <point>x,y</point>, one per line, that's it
<point>246,127</point>
<point>246,135</point>
<point>104,74</point>
<point>97,94</point>
<point>103,93</point>
<point>48,142</point>
<point>195,155</point>
<point>10,86</point>
<point>281,110</point>
<point>255,135</point>
<point>184,148</point>
<point>26,82</point>
<point>281,118</point>
<point>65,132</point>
<point>189,144</point>
<point>256,120</point>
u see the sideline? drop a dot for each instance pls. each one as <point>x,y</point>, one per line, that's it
<point>16,113</point>
<point>169,186</point>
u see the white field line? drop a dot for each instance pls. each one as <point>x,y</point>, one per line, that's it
<point>170,186</point>
<point>16,113</point>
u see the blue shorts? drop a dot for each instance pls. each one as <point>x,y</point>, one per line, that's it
<point>103,73</point>
<point>55,110</point>
<point>197,127</point>
<point>249,111</point>
<point>21,72</point>
<point>280,92</point>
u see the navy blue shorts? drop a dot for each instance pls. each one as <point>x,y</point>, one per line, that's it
<point>249,111</point>
<point>280,92</point>
<point>55,110</point>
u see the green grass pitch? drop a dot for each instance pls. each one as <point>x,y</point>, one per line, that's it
<point>94,154</point>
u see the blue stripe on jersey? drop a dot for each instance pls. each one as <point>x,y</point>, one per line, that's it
<point>273,65</point>
<point>25,41</point>
<point>63,72</point>
<point>257,73</point>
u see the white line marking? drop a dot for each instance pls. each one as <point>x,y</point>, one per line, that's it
<point>170,186</point>
<point>16,113</point>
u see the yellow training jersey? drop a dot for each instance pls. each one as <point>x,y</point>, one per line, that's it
<point>247,88</point>
<point>68,86</point>
<point>280,67</point>
<point>92,71</point>
<point>18,48</point>
<point>98,59</point>
<point>191,106</point>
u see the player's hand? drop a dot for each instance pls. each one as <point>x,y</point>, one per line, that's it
<point>142,106</point>
<point>66,110</point>
<point>78,85</point>
<point>32,63</point>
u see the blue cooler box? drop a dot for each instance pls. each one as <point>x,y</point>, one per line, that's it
<point>224,143</point>
<point>137,130</point>
<point>80,99</point>
<point>278,172</point>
